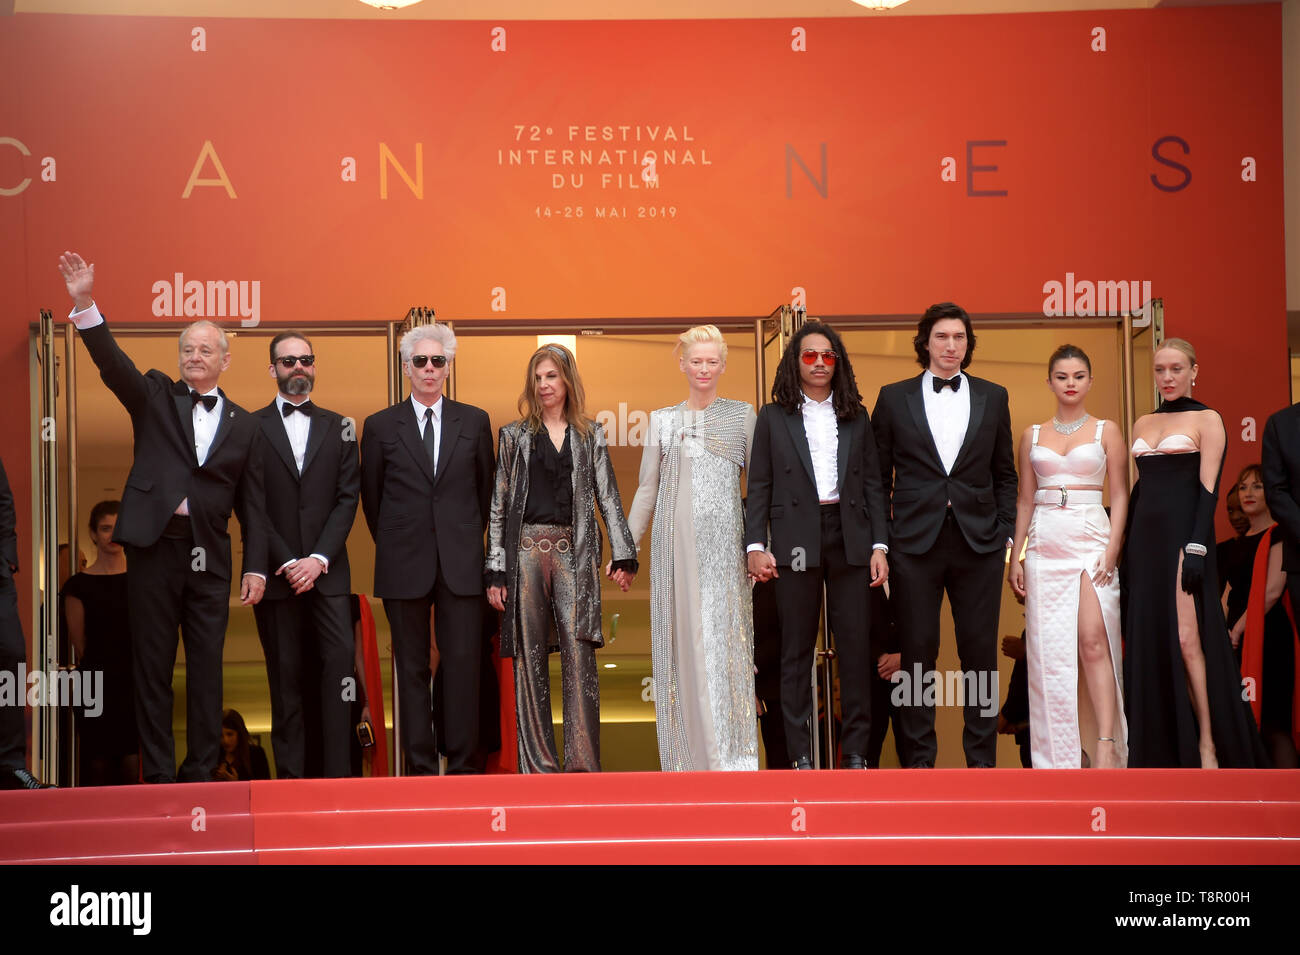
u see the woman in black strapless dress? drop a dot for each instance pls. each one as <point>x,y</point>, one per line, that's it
<point>1182,687</point>
<point>95,606</point>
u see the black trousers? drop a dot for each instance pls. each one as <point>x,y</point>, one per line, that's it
<point>973,582</point>
<point>767,679</point>
<point>882,711</point>
<point>13,651</point>
<point>307,640</point>
<point>799,596</point>
<point>458,622</point>
<point>168,589</point>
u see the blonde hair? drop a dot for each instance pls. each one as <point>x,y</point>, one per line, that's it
<point>575,398</point>
<point>703,335</point>
<point>1179,344</point>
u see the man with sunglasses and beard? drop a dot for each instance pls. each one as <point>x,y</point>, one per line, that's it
<point>311,483</point>
<point>427,473</point>
<point>814,490</point>
<point>948,467</point>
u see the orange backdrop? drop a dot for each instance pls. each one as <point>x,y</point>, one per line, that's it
<point>123,108</point>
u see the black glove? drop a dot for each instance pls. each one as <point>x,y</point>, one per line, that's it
<point>1202,528</point>
<point>1193,572</point>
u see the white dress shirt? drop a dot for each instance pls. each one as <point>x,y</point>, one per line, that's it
<point>435,422</point>
<point>948,414</point>
<point>298,428</point>
<point>822,429</point>
<point>205,424</point>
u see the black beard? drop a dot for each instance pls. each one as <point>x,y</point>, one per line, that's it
<point>296,385</point>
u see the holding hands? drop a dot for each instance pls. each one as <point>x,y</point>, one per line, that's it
<point>762,566</point>
<point>621,577</point>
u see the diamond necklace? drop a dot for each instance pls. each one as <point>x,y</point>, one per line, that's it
<point>1070,428</point>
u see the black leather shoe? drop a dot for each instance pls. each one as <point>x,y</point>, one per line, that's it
<point>801,762</point>
<point>853,761</point>
<point>21,779</point>
<point>922,764</point>
<point>980,766</point>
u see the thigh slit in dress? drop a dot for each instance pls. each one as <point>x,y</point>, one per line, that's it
<point>1064,544</point>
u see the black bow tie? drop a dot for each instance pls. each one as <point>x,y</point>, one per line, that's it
<point>209,401</point>
<point>941,383</point>
<point>288,408</point>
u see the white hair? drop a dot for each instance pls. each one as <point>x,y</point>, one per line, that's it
<point>422,333</point>
<point>204,323</point>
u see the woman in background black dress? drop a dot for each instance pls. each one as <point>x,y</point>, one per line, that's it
<point>1256,587</point>
<point>1182,687</point>
<point>94,604</point>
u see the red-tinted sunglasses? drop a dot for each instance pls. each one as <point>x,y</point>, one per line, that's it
<point>809,357</point>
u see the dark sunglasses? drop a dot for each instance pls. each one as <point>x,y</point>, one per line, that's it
<point>438,361</point>
<point>288,361</point>
<point>809,356</point>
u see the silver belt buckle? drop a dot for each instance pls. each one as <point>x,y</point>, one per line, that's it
<point>1065,497</point>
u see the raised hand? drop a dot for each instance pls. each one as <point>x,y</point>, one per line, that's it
<point>79,278</point>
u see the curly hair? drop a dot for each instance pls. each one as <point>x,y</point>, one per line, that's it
<point>787,390</point>
<point>934,314</point>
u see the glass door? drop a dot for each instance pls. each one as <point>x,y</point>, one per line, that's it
<point>1143,333</point>
<point>53,491</point>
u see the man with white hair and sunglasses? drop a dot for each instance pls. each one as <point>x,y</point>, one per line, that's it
<point>427,469</point>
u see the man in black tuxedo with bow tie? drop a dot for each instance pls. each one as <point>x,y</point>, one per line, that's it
<point>948,467</point>
<point>312,477</point>
<point>427,472</point>
<point>194,462</point>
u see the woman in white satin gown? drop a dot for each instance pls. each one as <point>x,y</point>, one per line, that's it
<point>701,623</point>
<point>1068,578</point>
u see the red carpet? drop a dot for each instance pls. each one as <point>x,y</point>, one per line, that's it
<point>892,816</point>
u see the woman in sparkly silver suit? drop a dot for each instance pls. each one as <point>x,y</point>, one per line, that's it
<point>701,615</point>
<point>543,559</point>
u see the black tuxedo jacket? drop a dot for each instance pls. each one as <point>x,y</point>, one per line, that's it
<point>165,470</point>
<point>419,523</point>
<point>981,487</point>
<point>311,513</point>
<point>1281,473</point>
<point>781,498</point>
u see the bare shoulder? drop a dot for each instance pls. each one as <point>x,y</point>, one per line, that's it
<point>1210,422</point>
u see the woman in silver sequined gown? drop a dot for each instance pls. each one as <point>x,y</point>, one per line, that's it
<point>701,615</point>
